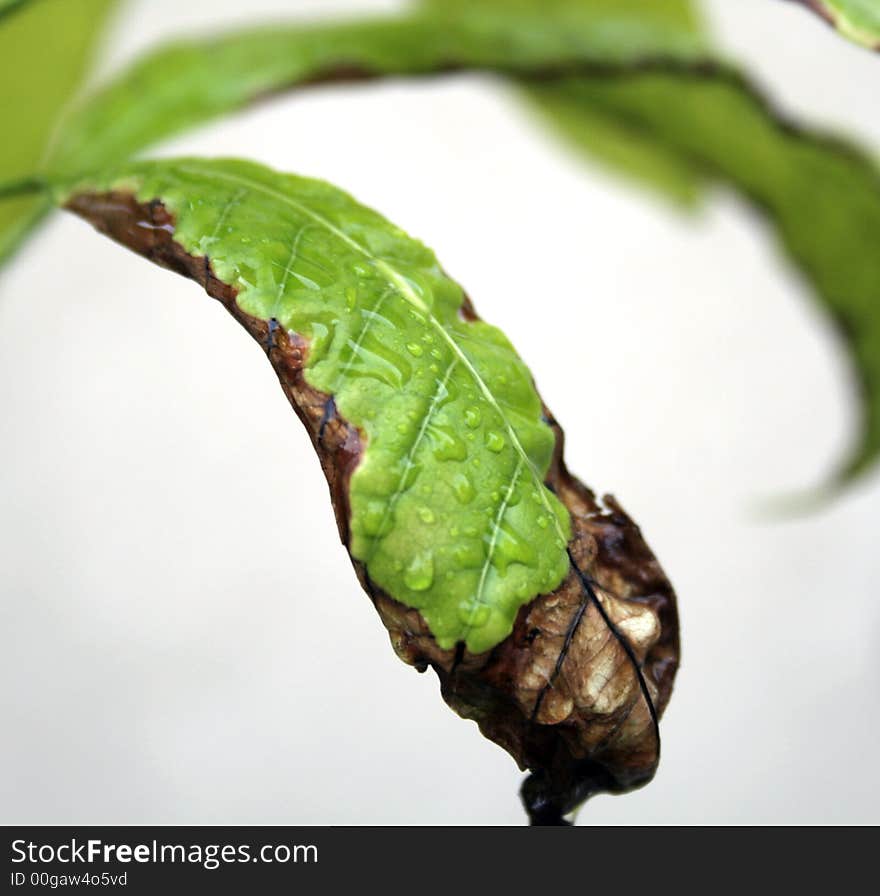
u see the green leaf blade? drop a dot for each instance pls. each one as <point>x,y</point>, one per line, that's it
<point>186,84</point>
<point>449,511</point>
<point>33,94</point>
<point>821,194</point>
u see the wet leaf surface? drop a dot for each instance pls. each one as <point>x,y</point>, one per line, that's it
<point>543,612</point>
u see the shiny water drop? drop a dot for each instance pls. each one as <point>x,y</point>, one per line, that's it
<point>419,575</point>
<point>426,515</point>
<point>472,417</point>
<point>473,614</point>
<point>447,444</point>
<point>511,548</point>
<point>463,488</point>
<point>373,517</point>
<point>414,349</point>
<point>494,441</point>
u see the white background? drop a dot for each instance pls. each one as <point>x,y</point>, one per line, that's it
<point>183,639</point>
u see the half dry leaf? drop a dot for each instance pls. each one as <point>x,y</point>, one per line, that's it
<point>542,610</point>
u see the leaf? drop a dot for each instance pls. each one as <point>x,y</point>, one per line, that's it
<point>858,20</point>
<point>544,614</point>
<point>186,84</point>
<point>598,135</point>
<point>603,136</point>
<point>10,6</point>
<point>822,194</point>
<point>455,449</point>
<point>32,93</point>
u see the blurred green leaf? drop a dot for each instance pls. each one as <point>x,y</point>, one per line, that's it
<point>10,6</point>
<point>858,20</point>
<point>605,139</point>
<point>633,86</point>
<point>188,83</point>
<point>44,52</point>
<point>822,194</point>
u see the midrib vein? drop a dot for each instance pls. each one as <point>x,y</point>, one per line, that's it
<point>408,294</point>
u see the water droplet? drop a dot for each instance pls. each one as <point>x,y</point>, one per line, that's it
<point>426,515</point>
<point>494,441</point>
<point>469,554</point>
<point>511,548</point>
<point>543,522</point>
<point>447,445</point>
<point>419,575</point>
<point>414,349</point>
<point>373,518</point>
<point>472,417</point>
<point>463,488</point>
<point>473,614</point>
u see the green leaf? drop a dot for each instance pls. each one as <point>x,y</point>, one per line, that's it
<point>602,135</point>
<point>449,511</point>
<point>10,6</point>
<point>44,52</point>
<point>186,84</point>
<point>858,20</point>
<point>451,492</point>
<point>821,194</point>
<point>612,56</point>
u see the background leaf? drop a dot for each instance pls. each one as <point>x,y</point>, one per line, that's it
<point>186,84</point>
<point>858,20</point>
<point>638,49</point>
<point>44,52</point>
<point>822,194</point>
